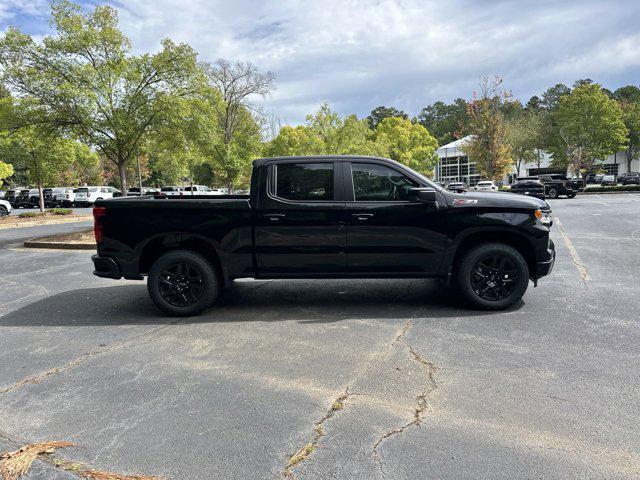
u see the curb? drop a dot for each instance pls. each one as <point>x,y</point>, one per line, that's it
<point>636,192</point>
<point>36,223</point>
<point>35,243</point>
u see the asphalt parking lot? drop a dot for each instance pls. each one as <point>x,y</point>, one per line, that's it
<point>381,379</point>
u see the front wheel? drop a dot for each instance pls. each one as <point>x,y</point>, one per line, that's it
<point>3,211</point>
<point>183,283</point>
<point>552,193</point>
<point>492,276</point>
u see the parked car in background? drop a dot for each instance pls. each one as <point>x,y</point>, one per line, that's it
<point>631,178</point>
<point>22,199</point>
<point>531,186</point>
<point>86,196</point>
<point>594,178</point>
<point>34,197</point>
<point>199,190</point>
<point>456,186</point>
<point>5,208</point>
<point>486,186</point>
<point>135,191</point>
<point>11,196</point>
<point>172,191</point>
<point>556,184</point>
<point>609,180</point>
<point>220,191</point>
<point>64,196</point>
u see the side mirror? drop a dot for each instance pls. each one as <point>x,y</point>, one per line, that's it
<point>423,195</point>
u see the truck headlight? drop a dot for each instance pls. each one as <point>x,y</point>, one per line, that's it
<point>544,216</point>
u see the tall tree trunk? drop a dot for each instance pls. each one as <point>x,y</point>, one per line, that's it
<point>40,197</point>
<point>122,172</point>
<point>629,158</point>
<point>229,185</point>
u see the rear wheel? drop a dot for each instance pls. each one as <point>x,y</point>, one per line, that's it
<point>183,283</point>
<point>3,211</point>
<point>571,195</point>
<point>552,193</point>
<point>492,276</point>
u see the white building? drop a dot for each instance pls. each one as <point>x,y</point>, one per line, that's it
<point>454,165</point>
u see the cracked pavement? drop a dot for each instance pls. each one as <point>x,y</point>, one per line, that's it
<point>549,389</point>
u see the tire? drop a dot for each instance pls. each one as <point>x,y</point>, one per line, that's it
<point>470,282</point>
<point>173,293</point>
<point>571,195</point>
<point>3,211</point>
<point>552,193</point>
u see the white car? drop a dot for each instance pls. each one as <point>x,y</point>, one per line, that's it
<point>5,208</point>
<point>86,196</point>
<point>63,196</point>
<point>172,191</point>
<point>486,186</point>
<point>199,190</point>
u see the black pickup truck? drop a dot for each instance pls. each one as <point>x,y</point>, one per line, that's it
<point>326,217</point>
<point>556,184</point>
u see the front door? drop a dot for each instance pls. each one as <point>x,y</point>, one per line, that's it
<point>300,228</point>
<point>387,233</point>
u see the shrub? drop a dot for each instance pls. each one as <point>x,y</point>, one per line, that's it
<point>614,188</point>
<point>60,211</point>
<point>30,215</point>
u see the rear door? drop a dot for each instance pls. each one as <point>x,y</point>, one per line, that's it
<point>300,227</point>
<point>387,233</point>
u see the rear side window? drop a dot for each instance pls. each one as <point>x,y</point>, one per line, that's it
<point>304,181</point>
<point>375,183</point>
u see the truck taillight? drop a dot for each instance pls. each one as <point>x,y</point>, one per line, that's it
<point>98,214</point>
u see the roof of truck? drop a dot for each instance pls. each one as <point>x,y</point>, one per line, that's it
<point>262,161</point>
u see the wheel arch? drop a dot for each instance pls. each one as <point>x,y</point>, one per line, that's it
<point>161,244</point>
<point>508,237</point>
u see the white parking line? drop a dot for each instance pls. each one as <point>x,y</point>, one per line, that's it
<point>583,271</point>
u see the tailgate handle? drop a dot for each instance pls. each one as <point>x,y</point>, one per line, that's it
<point>362,216</point>
<point>274,217</point>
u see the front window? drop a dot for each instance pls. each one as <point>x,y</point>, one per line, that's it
<point>377,183</point>
<point>304,181</point>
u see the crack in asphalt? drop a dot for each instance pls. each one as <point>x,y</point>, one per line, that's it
<point>306,450</point>
<point>40,377</point>
<point>421,400</point>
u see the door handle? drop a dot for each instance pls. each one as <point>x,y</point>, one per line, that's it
<point>362,216</point>
<point>274,217</point>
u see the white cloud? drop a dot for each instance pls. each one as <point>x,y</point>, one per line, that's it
<point>406,53</point>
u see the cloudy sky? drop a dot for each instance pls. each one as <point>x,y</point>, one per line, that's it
<point>360,54</point>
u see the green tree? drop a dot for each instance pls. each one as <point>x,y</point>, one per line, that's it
<point>43,155</point>
<point>85,82</point>
<point>488,146</point>
<point>6,170</point>
<point>408,143</point>
<point>551,97</point>
<point>292,141</point>
<point>524,138</point>
<point>631,119</point>
<point>237,83</point>
<point>590,128</point>
<point>380,113</point>
<point>628,93</point>
<point>445,121</point>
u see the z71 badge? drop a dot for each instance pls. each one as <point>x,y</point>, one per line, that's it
<point>464,201</point>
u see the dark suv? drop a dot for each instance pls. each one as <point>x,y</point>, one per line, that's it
<point>631,178</point>
<point>556,184</point>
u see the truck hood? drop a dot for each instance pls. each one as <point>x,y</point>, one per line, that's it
<point>495,199</point>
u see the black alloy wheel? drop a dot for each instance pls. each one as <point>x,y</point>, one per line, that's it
<point>180,284</point>
<point>183,283</point>
<point>494,277</point>
<point>553,193</point>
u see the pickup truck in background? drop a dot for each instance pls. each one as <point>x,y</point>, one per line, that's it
<point>556,184</point>
<point>326,217</point>
<point>530,186</point>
